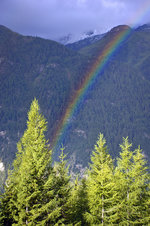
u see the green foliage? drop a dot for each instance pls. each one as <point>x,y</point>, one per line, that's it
<point>62,187</point>
<point>140,187</point>
<point>37,193</point>
<point>100,186</point>
<point>30,169</point>
<point>33,169</point>
<point>132,180</point>
<point>117,104</point>
<point>56,195</point>
<point>78,203</point>
<point>118,101</point>
<point>33,67</point>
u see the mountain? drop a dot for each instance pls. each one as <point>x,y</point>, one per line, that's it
<point>75,38</point>
<point>84,42</point>
<point>65,39</point>
<point>145,27</point>
<point>117,104</point>
<point>33,67</point>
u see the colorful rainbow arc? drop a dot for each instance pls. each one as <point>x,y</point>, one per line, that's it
<point>96,68</point>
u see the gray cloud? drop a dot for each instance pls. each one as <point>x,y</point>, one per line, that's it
<point>55,18</point>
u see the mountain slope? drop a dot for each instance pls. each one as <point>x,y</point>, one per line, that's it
<point>116,105</point>
<point>85,42</point>
<point>33,67</point>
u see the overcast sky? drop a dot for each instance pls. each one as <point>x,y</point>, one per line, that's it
<point>56,18</point>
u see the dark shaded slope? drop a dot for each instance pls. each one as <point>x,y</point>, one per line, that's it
<point>118,104</point>
<point>84,42</point>
<point>33,67</point>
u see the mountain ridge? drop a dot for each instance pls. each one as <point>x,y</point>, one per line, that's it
<point>51,72</point>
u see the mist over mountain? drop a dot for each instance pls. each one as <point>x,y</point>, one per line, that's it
<point>118,104</point>
<point>145,27</point>
<point>73,38</point>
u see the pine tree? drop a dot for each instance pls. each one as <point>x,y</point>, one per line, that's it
<point>148,202</point>
<point>140,214</point>
<point>78,202</point>
<point>100,186</point>
<point>123,181</point>
<point>132,183</point>
<point>63,187</point>
<point>9,198</point>
<point>46,213</point>
<point>35,165</point>
<point>5,212</point>
<point>56,193</point>
<point>30,171</point>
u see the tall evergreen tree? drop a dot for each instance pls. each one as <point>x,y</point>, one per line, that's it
<point>140,189</point>
<point>38,194</point>
<point>35,165</point>
<point>132,183</point>
<point>6,217</point>
<point>56,195</point>
<point>63,188</point>
<point>8,204</point>
<point>78,203</point>
<point>31,169</point>
<point>100,186</point>
<point>123,181</point>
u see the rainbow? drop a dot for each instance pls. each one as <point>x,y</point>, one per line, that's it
<point>92,74</point>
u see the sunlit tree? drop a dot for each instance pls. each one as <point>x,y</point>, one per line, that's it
<point>100,186</point>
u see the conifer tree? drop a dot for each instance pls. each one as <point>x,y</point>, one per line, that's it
<point>78,202</point>
<point>35,165</point>
<point>100,186</point>
<point>5,212</point>
<point>31,169</point>
<point>140,189</point>
<point>9,198</point>
<point>123,181</point>
<point>132,183</point>
<point>56,193</point>
<point>63,188</point>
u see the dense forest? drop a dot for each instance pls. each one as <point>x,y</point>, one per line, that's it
<point>39,191</point>
<point>117,103</point>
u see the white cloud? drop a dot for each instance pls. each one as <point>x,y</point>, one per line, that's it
<point>113,4</point>
<point>53,18</point>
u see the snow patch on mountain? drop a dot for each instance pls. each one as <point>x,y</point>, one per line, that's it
<point>2,168</point>
<point>143,27</point>
<point>71,38</point>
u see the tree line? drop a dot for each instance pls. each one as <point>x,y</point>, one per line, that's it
<point>40,192</point>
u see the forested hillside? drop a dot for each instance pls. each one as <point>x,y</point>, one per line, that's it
<point>38,192</point>
<point>33,67</point>
<point>117,104</point>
